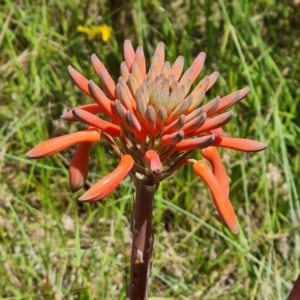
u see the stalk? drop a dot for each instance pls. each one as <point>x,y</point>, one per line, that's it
<point>295,292</point>
<point>143,240</point>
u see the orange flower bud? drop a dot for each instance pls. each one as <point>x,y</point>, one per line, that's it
<point>221,201</point>
<point>212,155</point>
<point>60,143</point>
<point>108,183</point>
<point>92,120</point>
<point>93,108</point>
<point>79,167</point>
<point>154,162</point>
<point>238,144</point>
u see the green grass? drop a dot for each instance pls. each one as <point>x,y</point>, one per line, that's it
<point>52,247</point>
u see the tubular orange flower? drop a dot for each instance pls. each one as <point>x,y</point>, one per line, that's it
<point>80,81</point>
<point>221,201</point>
<point>79,166</point>
<point>108,183</point>
<point>194,144</point>
<point>244,145</point>
<point>101,71</point>
<point>58,144</point>
<point>215,122</point>
<point>212,155</point>
<point>154,161</point>
<point>91,120</point>
<point>93,108</point>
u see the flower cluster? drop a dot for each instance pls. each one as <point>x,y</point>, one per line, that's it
<point>158,122</point>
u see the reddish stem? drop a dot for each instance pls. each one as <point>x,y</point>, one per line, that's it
<point>295,292</point>
<point>143,240</point>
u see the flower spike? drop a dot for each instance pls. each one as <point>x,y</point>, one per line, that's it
<point>154,121</point>
<point>159,121</point>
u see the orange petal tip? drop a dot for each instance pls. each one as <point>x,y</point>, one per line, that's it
<point>80,81</point>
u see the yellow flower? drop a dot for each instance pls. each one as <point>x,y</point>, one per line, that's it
<point>102,32</point>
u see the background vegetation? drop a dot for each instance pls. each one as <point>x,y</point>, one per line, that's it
<point>52,247</point>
